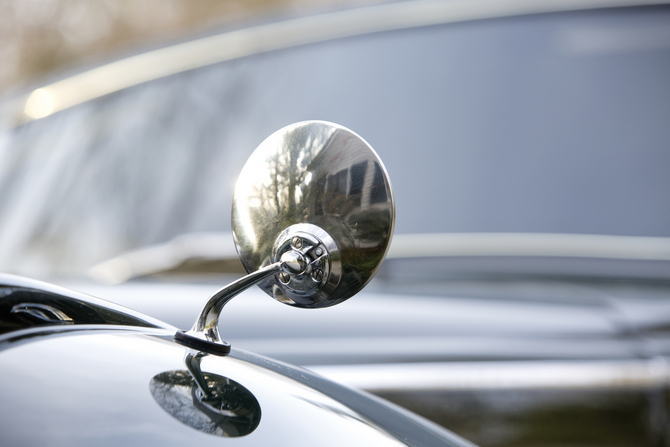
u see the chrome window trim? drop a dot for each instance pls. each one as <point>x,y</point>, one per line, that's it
<point>213,246</point>
<point>201,52</point>
<point>559,245</point>
<point>472,376</point>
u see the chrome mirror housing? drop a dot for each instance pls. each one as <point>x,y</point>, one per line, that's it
<point>312,218</point>
<point>316,192</point>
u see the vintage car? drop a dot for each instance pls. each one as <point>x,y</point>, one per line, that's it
<point>77,370</point>
<point>524,298</point>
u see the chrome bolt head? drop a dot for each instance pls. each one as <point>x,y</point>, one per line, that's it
<point>318,251</point>
<point>296,242</point>
<point>284,277</point>
<point>317,275</point>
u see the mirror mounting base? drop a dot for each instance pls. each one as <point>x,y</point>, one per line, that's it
<point>221,347</point>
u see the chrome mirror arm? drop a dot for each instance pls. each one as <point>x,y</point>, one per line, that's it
<point>205,331</point>
<point>208,321</point>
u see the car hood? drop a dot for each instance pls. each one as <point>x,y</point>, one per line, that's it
<point>128,388</point>
<point>68,379</point>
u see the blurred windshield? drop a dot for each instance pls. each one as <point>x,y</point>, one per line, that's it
<point>552,123</point>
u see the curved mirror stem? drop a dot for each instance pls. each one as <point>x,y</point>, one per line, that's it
<point>206,327</point>
<point>192,361</point>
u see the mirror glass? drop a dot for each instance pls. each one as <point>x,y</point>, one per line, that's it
<point>321,176</point>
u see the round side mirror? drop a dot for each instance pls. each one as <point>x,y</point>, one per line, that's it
<point>315,196</point>
<point>313,216</point>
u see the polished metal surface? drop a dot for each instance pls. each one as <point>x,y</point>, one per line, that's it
<point>206,327</point>
<point>312,220</point>
<point>324,185</point>
<point>108,389</point>
<point>205,331</point>
<point>207,402</point>
<point>318,266</point>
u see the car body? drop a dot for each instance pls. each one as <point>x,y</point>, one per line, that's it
<point>524,299</point>
<point>92,372</point>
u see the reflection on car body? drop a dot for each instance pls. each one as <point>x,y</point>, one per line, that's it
<point>524,300</point>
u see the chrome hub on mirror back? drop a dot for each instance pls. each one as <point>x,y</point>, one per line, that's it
<point>321,269</point>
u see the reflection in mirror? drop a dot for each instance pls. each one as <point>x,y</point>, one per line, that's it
<point>326,176</point>
<point>207,402</point>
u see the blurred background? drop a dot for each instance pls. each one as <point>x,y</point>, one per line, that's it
<point>525,298</point>
<point>40,39</point>
<point>529,118</point>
